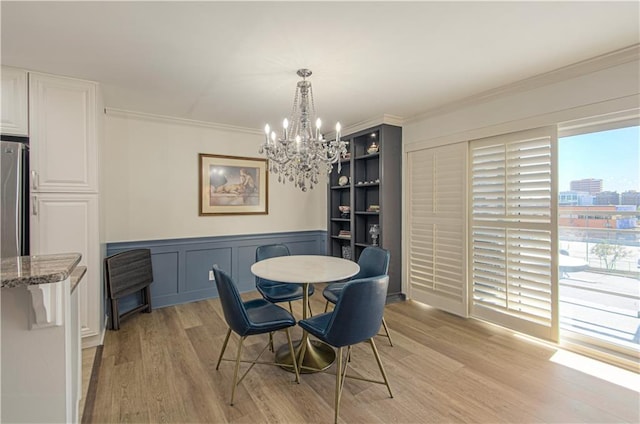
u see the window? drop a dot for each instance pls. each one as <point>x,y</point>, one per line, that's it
<point>599,237</point>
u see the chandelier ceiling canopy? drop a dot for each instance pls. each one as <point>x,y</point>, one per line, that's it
<point>300,153</point>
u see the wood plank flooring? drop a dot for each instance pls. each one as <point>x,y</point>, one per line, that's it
<point>160,368</point>
<point>88,356</point>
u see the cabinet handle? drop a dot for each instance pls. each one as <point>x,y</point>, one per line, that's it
<point>34,205</point>
<point>34,180</point>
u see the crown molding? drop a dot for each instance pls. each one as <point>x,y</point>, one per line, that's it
<point>375,121</point>
<point>359,126</point>
<point>588,66</point>
<point>180,121</point>
<point>609,111</point>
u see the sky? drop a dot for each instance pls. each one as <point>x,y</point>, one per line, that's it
<point>613,156</point>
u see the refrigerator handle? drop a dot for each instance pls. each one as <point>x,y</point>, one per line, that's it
<point>34,180</point>
<point>34,205</point>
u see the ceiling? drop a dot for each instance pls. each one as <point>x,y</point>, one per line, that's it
<point>235,63</point>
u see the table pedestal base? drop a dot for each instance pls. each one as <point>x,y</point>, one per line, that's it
<point>318,356</point>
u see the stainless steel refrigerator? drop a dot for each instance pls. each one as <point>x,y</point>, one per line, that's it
<point>14,210</point>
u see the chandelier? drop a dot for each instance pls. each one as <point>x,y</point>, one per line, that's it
<point>300,153</point>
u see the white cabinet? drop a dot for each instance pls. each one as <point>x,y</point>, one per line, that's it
<point>41,368</point>
<point>62,128</point>
<point>64,124</point>
<point>66,223</point>
<point>14,102</point>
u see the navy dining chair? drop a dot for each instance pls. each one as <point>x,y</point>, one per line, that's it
<point>356,318</point>
<point>274,291</point>
<point>372,261</point>
<point>256,316</point>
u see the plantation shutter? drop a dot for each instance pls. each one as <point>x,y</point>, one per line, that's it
<point>513,227</point>
<point>437,221</point>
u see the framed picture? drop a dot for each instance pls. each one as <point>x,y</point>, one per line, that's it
<point>233,185</point>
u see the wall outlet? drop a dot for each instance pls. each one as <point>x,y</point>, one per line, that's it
<point>211,277</point>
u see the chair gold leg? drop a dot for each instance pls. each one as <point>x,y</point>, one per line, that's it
<point>326,306</point>
<point>345,368</point>
<point>384,374</point>
<point>386,330</point>
<point>235,372</point>
<point>293,356</point>
<point>309,306</point>
<point>338,385</point>
<point>224,347</point>
<point>290,308</point>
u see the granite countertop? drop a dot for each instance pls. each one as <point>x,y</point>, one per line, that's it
<point>76,276</point>
<point>41,269</point>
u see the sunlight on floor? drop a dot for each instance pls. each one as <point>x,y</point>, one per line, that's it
<point>598,369</point>
<point>593,367</point>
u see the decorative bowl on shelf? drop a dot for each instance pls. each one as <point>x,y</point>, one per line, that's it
<point>343,180</point>
<point>344,211</point>
<point>373,148</point>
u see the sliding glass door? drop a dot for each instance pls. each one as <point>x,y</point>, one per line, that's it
<point>555,234</point>
<point>599,238</point>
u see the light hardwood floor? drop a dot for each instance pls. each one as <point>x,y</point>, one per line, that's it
<point>160,367</point>
<point>88,355</point>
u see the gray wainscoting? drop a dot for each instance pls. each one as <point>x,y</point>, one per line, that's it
<point>181,266</point>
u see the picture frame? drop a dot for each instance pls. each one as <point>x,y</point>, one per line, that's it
<point>233,185</point>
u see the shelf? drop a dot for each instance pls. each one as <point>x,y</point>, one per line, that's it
<point>380,175</point>
<point>371,156</point>
<point>363,244</point>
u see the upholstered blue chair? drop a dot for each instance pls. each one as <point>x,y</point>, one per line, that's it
<point>273,291</point>
<point>257,316</point>
<point>356,318</point>
<point>373,261</point>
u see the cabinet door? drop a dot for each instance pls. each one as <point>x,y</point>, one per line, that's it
<point>62,126</point>
<point>64,223</point>
<point>14,102</point>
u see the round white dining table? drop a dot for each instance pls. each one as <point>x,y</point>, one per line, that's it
<point>305,270</point>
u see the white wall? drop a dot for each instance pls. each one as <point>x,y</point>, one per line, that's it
<point>150,171</point>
